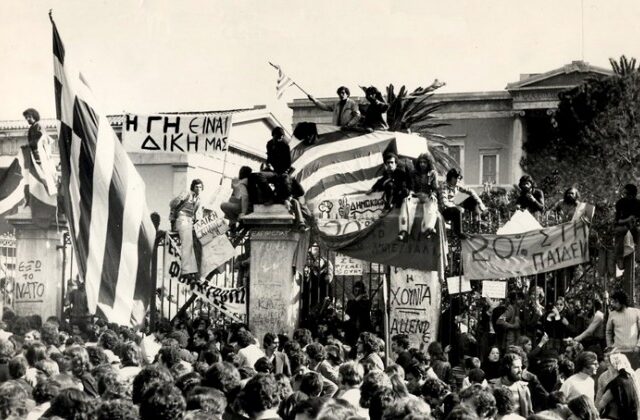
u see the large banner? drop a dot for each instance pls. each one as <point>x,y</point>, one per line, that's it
<point>179,133</point>
<point>523,254</point>
<point>414,305</point>
<point>231,302</point>
<point>355,206</point>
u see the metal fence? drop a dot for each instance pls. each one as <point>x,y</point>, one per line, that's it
<point>7,269</point>
<point>174,297</point>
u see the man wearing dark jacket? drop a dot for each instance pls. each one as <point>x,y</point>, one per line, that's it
<point>395,182</point>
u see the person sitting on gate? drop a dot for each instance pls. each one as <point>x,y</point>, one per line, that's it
<point>239,203</point>
<point>450,210</point>
<point>567,206</point>
<point>395,183</point>
<point>186,209</point>
<point>424,192</point>
<point>530,198</point>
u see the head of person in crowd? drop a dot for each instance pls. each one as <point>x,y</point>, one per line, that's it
<point>14,400</point>
<point>7,349</point>
<point>197,186</point>
<point>80,363</point>
<point>225,377</point>
<point>287,409</point>
<point>30,337</point>
<point>117,409</point>
<point>512,365</point>
<point>18,366</point>
<point>71,403</point>
<point>619,300</point>
<point>334,354</point>
<point>504,400</point>
<point>299,363</point>
<point>270,343</point>
<point>263,365</point>
<point>380,402</point>
<point>303,337</point>
<point>480,399</point>
<point>208,400</point>
<point>259,395</point>
<point>587,363</point>
<point>394,369</point>
<point>462,412</point>
<point>316,353</point>
<point>526,184</point>
<point>525,343</point>
<point>583,408</point>
<point>46,390</point>
<point>433,391</point>
<point>494,354</point>
<point>400,343</point>
<point>284,386</point>
<point>350,374</point>
<point>311,384</point>
<point>415,375</point>
<point>571,196</point>
<point>146,378</point>
<point>343,93</point>
<point>162,401</point>
<point>367,343</point>
<point>373,382</point>
<point>436,352</point>
<point>566,368</point>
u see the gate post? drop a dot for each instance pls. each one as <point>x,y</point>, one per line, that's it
<point>37,288</point>
<point>278,253</point>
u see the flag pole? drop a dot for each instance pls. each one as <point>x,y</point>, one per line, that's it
<point>294,83</point>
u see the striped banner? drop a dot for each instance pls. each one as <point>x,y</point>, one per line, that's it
<point>12,184</point>
<point>283,82</point>
<point>104,199</point>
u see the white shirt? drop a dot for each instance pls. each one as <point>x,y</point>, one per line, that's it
<point>249,355</point>
<point>579,384</point>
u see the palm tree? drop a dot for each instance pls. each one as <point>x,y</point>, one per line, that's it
<point>415,113</point>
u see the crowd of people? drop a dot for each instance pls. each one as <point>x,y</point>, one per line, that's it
<point>192,369</point>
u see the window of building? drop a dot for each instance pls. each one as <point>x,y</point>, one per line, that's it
<point>455,150</point>
<point>489,170</point>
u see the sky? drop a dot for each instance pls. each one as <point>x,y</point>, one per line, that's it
<point>195,55</point>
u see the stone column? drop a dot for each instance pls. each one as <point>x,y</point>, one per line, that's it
<point>38,273</point>
<point>278,252</point>
<point>517,141</point>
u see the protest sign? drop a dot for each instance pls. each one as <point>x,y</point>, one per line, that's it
<point>209,227</point>
<point>347,266</point>
<point>494,289</point>
<point>178,133</point>
<point>414,305</point>
<point>215,253</point>
<point>522,254</point>
<point>458,284</point>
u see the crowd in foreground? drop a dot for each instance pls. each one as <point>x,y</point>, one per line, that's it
<point>193,370</point>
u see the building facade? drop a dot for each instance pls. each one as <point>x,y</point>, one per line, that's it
<point>487,130</point>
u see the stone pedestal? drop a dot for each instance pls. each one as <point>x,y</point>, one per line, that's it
<point>278,253</point>
<point>38,286</point>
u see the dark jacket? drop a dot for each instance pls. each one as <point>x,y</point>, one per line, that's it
<point>278,156</point>
<point>396,185</point>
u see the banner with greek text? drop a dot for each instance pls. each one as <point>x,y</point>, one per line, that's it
<point>231,302</point>
<point>414,305</point>
<point>523,254</point>
<point>207,134</point>
<point>354,206</point>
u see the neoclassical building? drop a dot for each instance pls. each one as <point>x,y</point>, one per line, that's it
<point>486,130</point>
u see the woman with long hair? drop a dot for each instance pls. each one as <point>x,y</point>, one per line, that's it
<point>582,408</point>
<point>620,397</point>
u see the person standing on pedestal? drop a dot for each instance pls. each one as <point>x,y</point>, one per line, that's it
<point>185,211</point>
<point>40,146</point>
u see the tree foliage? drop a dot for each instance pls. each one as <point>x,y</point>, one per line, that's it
<point>596,142</point>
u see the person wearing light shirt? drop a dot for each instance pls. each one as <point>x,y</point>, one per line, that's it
<point>623,327</point>
<point>581,382</point>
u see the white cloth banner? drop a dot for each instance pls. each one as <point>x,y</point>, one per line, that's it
<point>523,254</point>
<point>207,134</point>
<point>231,302</point>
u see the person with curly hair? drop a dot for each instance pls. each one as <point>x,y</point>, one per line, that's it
<point>146,378</point>
<point>346,112</point>
<point>367,346</point>
<point>118,409</point>
<point>423,187</point>
<point>14,400</point>
<point>162,401</point>
<point>530,198</point>
<point>376,108</point>
<point>71,404</point>
<point>259,398</point>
